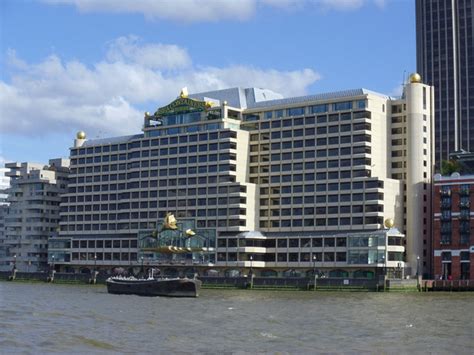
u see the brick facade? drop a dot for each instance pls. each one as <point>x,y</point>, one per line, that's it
<point>453,227</point>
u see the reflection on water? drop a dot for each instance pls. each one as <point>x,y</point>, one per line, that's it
<point>41,318</point>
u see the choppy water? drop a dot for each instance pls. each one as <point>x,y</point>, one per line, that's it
<point>44,318</point>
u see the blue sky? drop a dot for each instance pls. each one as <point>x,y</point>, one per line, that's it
<point>69,65</point>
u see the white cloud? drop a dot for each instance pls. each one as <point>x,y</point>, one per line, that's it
<point>181,10</point>
<point>207,10</point>
<point>154,56</point>
<point>56,96</point>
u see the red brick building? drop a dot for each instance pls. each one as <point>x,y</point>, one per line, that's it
<point>453,227</point>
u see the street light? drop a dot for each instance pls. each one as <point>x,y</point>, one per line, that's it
<point>14,262</point>
<point>383,262</point>
<point>52,257</point>
<point>95,262</point>
<point>251,260</point>
<point>417,265</point>
<point>142,271</point>
<point>314,270</point>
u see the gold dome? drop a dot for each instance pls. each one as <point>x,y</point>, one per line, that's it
<point>81,135</point>
<point>415,78</point>
<point>389,223</point>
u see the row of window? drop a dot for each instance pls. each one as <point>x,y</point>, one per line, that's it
<point>355,185</point>
<point>152,183</point>
<point>192,170</point>
<point>300,111</point>
<point>104,256</point>
<point>291,257</point>
<point>135,205</point>
<point>319,142</point>
<point>322,164</point>
<point>193,159</point>
<point>126,226</point>
<point>309,153</point>
<point>276,179</point>
<point>316,242</point>
<point>321,222</point>
<point>308,131</point>
<point>210,190</point>
<point>157,152</point>
<point>321,210</point>
<point>113,243</point>
<point>186,129</point>
<point>311,199</point>
<point>144,143</point>
<point>210,212</point>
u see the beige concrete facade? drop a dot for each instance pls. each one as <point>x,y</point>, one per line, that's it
<point>309,173</point>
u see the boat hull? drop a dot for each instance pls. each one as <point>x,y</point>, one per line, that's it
<point>174,287</point>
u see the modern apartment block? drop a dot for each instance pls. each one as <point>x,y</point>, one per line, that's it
<point>445,60</point>
<point>286,185</point>
<point>4,185</point>
<point>453,227</point>
<point>33,212</point>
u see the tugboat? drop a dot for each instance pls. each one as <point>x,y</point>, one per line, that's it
<point>169,239</point>
<point>161,286</point>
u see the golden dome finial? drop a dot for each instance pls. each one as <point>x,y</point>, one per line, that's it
<point>81,135</point>
<point>190,232</point>
<point>389,223</point>
<point>415,78</point>
<point>184,93</point>
<point>170,222</point>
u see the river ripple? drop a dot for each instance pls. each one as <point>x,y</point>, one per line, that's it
<point>46,318</point>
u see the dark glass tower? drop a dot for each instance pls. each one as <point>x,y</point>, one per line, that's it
<point>445,59</point>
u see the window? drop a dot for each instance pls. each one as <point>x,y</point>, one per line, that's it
<point>320,108</point>
<point>296,111</point>
<point>338,106</point>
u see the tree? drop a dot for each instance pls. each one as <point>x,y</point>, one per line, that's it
<point>450,166</point>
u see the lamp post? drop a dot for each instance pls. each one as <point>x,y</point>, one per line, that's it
<point>95,262</point>
<point>52,257</point>
<point>141,270</point>
<point>417,265</point>
<point>314,270</point>
<point>14,262</point>
<point>251,261</point>
<point>384,263</point>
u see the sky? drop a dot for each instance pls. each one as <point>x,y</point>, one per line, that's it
<point>98,65</point>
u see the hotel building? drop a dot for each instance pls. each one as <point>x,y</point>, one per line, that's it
<point>32,216</point>
<point>281,185</point>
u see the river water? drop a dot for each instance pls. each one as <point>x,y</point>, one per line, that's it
<point>49,318</point>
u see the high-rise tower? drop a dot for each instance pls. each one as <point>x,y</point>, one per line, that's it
<point>445,60</point>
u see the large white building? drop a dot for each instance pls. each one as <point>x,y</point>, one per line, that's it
<point>286,185</point>
<point>32,215</point>
<point>4,185</point>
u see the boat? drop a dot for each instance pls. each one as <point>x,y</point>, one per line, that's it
<point>154,286</point>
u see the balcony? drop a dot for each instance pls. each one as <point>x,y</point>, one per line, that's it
<point>446,205</point>
<point>445,192</point>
